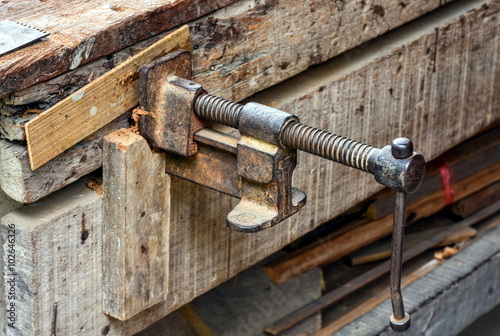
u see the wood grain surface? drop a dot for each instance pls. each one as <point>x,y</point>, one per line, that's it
<point>136,215</point>
<point>410,82</point>
<point>27,186</point>
<point>238,50</point>
<point>83,30</point>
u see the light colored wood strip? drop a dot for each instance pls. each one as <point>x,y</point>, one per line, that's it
<point>136,210</point>
<point>95,105</point>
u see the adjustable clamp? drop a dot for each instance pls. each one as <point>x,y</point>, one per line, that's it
<point>257,167</point>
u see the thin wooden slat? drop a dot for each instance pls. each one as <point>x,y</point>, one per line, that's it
<point>95,105</point>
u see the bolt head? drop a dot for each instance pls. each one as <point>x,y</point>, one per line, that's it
<point>402,148</point>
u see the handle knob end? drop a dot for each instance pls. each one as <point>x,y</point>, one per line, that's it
<point>400,325</point>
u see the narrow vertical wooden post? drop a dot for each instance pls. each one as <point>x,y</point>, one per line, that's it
<point>136,208</point>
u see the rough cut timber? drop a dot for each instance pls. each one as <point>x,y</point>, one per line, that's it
<point>221,77</point>
<point>252,58</point>
<point>240,49</point>
<point>408,83</point>
<point>136,210</point>
<point>84,30</point>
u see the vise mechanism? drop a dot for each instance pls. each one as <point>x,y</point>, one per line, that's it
<point>257,166</point>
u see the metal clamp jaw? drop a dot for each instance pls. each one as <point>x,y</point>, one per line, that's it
<point>253,167</point>
<point>258,166</point>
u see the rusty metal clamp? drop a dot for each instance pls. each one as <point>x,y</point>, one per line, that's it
<point>257,167</point>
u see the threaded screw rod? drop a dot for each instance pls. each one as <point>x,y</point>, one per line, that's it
<point>334,147</point>
<point>217,109</point>
<point>295,135</point>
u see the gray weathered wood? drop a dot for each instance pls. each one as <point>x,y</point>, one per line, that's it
<point>239,50</point>
<point>52,232</point>
<point>393,80</point>
<point>446,300</point>
<point>83,30</point>
<point>136,210</point>
<point>7,204</point>
<point>27,186</point>
<point>268,42</point>
<point>247,303</point>
<point>252,60</point>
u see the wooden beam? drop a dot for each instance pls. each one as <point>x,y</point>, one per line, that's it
<point>136,210</point>
<point>240,49</point>
<point>479,200</point>
<point>204,253</point>
<point>95,105</point>
<point>83,30</point>
<point>27,186</point>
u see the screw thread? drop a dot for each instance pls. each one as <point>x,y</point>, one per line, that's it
<point>217,109</point>
<point>295,135</point>
<point>328,145</point>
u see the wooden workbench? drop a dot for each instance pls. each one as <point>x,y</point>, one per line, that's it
<point>372,71</point>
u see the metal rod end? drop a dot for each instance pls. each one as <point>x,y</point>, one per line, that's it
<point>400,325</point>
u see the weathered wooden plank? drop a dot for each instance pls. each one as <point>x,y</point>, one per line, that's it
<point>447,299</point>
<point>136,210</point>
<point>204,253</point>
<point>92,107</point>
<point>27,186</point>
<point>246,304</point>
<point>350,57</point>
<point>42,235</point>
<point>84,30</point>
<point>239,50</point>
<point>479,200</point>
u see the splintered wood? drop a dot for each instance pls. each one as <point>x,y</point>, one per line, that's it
<point>136,209</point>
<point>95,105</point>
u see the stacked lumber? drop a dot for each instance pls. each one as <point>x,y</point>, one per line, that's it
<point>474,165</point>
<point>477,200</point>
<point>408,79</point>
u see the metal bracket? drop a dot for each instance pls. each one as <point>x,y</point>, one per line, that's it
<point>258,172</point>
